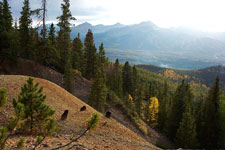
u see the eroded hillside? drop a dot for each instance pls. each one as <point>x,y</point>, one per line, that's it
<point>108,135</point>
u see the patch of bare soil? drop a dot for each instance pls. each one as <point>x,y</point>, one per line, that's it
<point>108,135</point>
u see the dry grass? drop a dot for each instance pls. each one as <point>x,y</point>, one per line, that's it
<point>109,134</point>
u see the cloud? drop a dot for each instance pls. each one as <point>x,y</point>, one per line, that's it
<point>77,8</point>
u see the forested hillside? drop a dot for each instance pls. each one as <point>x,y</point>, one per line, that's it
<point>189,114</point>
<point>205,76</point>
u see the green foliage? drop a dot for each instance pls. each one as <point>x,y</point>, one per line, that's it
<point>186,136</point>
<point>50,126</point>
<point>3,96</point>
<point>69,81</point>
<point>8,50</point>
<point>25,30</point>
<point>77,54</point>
<point>210,129</point>
<point>3,136</point>
<point>114,79</point>
<point>20,143</point>
<point>221,135</point>
<point>51,34</point>
<point>93,122</point>
<point>101,54</point>
<point>90,56</point>
<point>183,97</point>
<point>163,107</point>
<point>127,79</point>
<point>35,111</point>
<point>63,41</point>
<point>98,93</point>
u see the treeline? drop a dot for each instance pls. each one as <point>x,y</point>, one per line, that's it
<point>189,121</point>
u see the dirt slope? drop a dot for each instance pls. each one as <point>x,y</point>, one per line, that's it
<point>113,135</point>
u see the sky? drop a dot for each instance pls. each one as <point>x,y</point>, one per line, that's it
<point>205,15</point>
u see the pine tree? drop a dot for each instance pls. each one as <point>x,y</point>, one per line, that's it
<point>186,136</point>
<point>7,17</point>
<point>163,107</point>
<point>77,54</point>
<point>115,81</point>
<point>25,31</point>
<point>134,80</point>
<point>127,78</point>
<point>6,34</point>
<point>64,44</point>
<point>69,80</point>
<point>102,54</point>
<point>221,110</point>
<point>139,100</point>
<point>3,97</point>
<point>210,129</point>
<point>51,34</point>
<point>90,56</point>
<point>36,112</point>
<point>182,97</point>
<point>98,94</point>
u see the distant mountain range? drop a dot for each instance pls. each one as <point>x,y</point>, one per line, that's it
<point>179,44</point>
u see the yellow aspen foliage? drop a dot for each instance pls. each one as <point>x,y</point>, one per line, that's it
<point>154,109</point>
<point>130,98</point>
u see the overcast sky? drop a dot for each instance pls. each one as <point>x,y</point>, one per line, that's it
<point>207,15</point>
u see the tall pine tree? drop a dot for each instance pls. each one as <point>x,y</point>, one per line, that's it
<point>163,107</point>
<point>127,79</point>
<point>90,56</point>
<point>69,77</point>
<point>210,125</point>
<point>186,136</point>
<point>183,97</point>
<point>25,29</point>
<point>98,94</point>
<point>64,43</point>
<point>77,54</point>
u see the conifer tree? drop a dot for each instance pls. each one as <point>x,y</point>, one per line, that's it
<point>51,35</point>
<point>36,112</point>
<point>69,80</point>
<point>25,23</point>
<point>7,53</point>
<point>98,94</point>
<point>221,110</point>
<point>163,107</point>
<point>115,81</point>
<point>134,80</point>
<point>77,54</point>
<point>182,97</point>
<point>127,78</point>
<point>7,17</point>
<point>90,56</point>
<point>139,100</point>
<point>64,44</point>
<point>3,97</point>
<point>210,128</point>
<point>186,136</point>
<point>102,54</point>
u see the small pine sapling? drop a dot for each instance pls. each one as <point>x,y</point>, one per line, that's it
<point>20,143</point>
<point>3,97</point>
<point>5,132</point>
<point>49,129</point>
